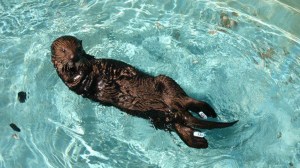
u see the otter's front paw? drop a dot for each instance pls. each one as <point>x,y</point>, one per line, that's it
<point>74,80</point>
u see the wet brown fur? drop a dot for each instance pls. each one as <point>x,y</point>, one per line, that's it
<point>112,82</point>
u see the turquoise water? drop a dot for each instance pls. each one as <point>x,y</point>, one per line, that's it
<point>247,67</point>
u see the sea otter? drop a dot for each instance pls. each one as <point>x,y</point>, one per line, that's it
<point>111,82</point>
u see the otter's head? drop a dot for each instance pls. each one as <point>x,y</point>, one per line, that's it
<point>66,49</point>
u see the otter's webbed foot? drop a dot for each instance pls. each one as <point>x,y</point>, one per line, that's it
<point>72,80</point>
<point>200,106</point>
<point>191,137</point>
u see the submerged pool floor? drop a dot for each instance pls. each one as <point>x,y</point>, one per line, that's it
<point>242,57</point>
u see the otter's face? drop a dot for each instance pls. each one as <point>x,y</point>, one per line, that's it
<point>66,49</point>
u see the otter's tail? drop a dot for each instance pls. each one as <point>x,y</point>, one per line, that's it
<point>209,124</point>
<point>193,122</point>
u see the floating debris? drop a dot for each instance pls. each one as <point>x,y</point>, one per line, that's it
<point>267,54</point>
<point>212,32</point>
<point>15,136</point>
<point>22,96</point>
<point>158,25</point>
<point>285,51</point>
<point>279,135</point>
<point>227,22</point>
<point>235,14</point>
<point>15,127</point>
<point>175,34</point>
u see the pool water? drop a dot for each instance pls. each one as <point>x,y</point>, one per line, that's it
<point>242,57</point>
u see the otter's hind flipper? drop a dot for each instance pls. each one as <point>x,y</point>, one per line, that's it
<point>189,137</point>
<point>197,106</point>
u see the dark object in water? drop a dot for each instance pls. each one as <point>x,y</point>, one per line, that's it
<point>227,22</point>
<point>111,82</point>
<point>15,127</point>
<point>22,96</point>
